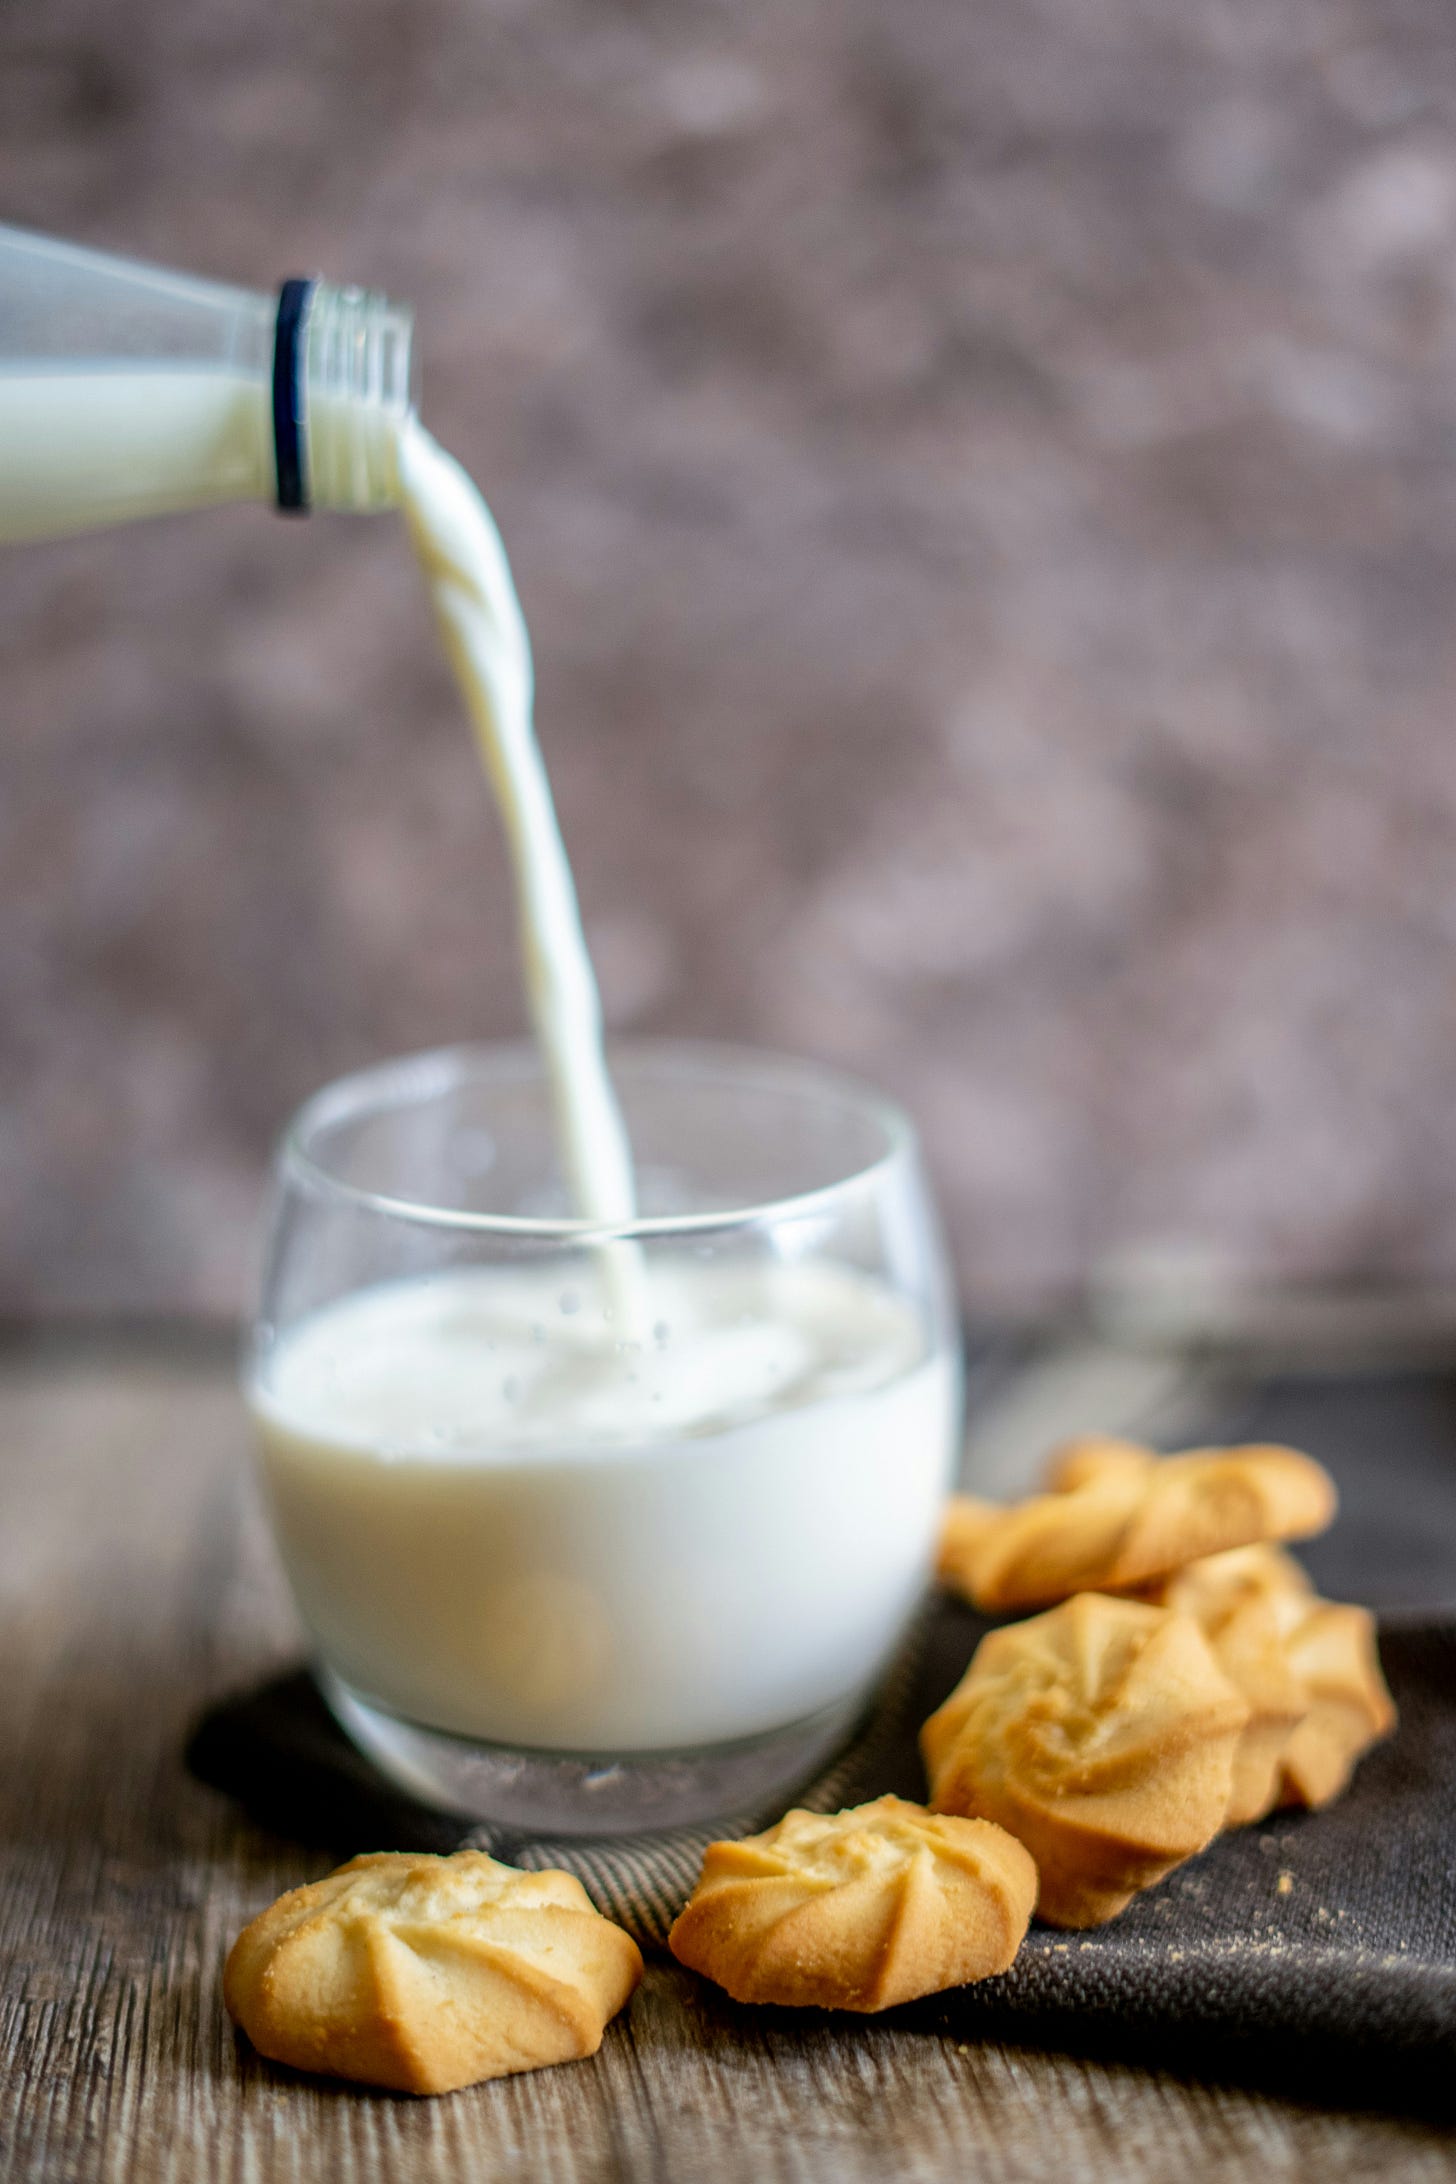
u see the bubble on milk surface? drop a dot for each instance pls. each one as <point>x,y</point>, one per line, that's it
<point>569,1302</point>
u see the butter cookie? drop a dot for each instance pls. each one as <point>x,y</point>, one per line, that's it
<point>1286,1648</point>
<point>1102,1735</point>
<point>424,1974</point>
<point>1237,1600</point>
<point>857,1910</point>
<point>1331,1649</point>
<point>1123,1517</point>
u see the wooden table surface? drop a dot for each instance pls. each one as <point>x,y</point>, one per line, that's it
<point>137,1583</point>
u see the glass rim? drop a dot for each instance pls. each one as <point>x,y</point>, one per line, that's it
<point>430,1071</point>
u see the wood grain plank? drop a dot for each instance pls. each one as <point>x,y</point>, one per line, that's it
<point>135,1583</point>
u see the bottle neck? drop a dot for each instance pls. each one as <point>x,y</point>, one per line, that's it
<point>129,391</point>
<point>352,360</point>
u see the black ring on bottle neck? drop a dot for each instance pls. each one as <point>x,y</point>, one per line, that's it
<point>294,298</point>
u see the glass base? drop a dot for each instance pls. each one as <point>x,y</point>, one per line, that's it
<point>571,1793</point>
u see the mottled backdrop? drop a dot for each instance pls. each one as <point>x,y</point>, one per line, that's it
<point>983,481</point>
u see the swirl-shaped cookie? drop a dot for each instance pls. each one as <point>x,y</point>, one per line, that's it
<point>1124,1517</point>
<point>425,1974</point>
<point>1238,1602</point>
<point>1102,1735</point>
<point>857,1910</point>
<point>1331,1649</point>
<point>1308,1667</point>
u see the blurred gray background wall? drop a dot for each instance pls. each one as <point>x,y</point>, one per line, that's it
<point>983,482</point>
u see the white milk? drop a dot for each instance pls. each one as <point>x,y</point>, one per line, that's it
<point>498,1524</point>
<point>80,449</point>
<point>83,449</point>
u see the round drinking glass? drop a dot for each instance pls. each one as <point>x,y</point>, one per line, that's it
<point>597,1530</point>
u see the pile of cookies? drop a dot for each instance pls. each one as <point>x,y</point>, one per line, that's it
<point>1182,1678</point>
<point>1190,1680</point>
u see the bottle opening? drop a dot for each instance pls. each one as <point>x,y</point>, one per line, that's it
<point>357,369</point>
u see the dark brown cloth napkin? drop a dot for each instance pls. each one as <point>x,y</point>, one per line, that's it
<point>1315,1951</point>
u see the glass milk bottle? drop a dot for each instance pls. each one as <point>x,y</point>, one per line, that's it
<point>127,391</point>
